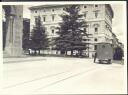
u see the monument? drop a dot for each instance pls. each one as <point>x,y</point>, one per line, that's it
<point>14,29</point>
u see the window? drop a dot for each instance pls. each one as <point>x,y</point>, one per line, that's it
<point>36,18</point>
<point>86,39</point>
<point>85,29</point>
<point>53,17</point>
<point>64,9</point>
<point>96,5</point>
<point>85,6</point>
<point>52,10</point>
<point>35,11</point>
<point>52,31</point>
<point>96,14</point>
<point>96,29</point>
<point>85,15</point>
<point>44,19</point>
<point>95,39</point>
<point>95,47</point>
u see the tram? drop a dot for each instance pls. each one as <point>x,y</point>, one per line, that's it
<point>104,52</point>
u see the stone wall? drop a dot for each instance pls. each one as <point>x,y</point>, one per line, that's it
<point>14,28</point>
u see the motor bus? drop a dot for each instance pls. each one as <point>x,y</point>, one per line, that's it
<point>104,52</point>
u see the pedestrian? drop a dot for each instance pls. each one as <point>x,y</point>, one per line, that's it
<point>95,56</point>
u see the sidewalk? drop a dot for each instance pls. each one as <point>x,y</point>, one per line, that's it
<point>40,58</point>
<point>22,59</point>
<point>118,62</point>
<point>36,58</point>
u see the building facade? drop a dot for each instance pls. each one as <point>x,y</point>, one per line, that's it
<point>97,16</point>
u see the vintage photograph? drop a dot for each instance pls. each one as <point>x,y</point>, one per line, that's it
<point>34,0</point>
<point>23,0</point>
<point>67,48</point>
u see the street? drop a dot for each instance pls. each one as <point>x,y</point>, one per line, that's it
<point>59,75</point>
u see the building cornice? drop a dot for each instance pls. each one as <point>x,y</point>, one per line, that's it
<point>46,6</point>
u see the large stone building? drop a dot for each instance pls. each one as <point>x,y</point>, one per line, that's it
<point>97,16</point>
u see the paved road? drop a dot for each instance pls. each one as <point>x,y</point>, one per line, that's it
<point>52,75</point>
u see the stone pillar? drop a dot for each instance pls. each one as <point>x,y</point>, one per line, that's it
<point>14,31</point>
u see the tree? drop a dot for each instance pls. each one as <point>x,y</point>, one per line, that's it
<point>4,35</point>
<point>26,34</point>
<point>71,31</point>
<point>39,38</point>
<point>118,54</point>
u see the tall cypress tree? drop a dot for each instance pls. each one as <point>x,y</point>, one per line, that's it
<point>71,31</point>
<point>26,34</point>
<point>39,38</point>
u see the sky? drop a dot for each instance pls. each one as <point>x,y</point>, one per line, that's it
<point>117,21</point>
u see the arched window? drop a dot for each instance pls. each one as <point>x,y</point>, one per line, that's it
<point>96,27</point>
<point>44,18</point>
<point>52,31</point>
<point>96,13</point>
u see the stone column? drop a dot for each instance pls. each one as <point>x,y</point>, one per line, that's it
<point>14,31</point>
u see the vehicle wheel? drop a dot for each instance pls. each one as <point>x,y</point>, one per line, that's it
<point>100,61</point>
<point>109,61</point>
